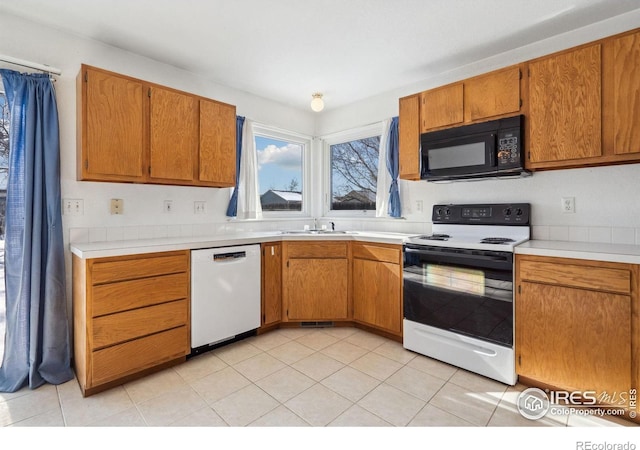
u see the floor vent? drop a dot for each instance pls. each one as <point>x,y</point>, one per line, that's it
<point>316,324</point>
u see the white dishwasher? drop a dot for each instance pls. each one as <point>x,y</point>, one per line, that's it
<point>225,293</point>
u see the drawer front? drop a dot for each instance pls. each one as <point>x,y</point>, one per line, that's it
<point>594,278</point>
<point>125,326</point>
<point>131,357</point>
<point>376,253</point>
<point>317,249</point>
<point>116,297</point>
<point>131,269</point>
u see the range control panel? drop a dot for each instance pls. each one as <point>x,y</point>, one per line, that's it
<point>483,214</point>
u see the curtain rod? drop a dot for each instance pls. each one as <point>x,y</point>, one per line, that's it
<point>30,65</point>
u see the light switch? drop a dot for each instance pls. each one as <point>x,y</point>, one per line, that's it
<point>117,206</point>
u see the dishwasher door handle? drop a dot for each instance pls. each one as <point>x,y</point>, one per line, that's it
<point>229,257</point>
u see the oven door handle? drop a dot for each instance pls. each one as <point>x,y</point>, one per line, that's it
<point>478,257</point>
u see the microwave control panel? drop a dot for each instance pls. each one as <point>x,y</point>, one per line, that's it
<point>509,149</point>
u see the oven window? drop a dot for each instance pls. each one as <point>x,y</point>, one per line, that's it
<point>455,278</point>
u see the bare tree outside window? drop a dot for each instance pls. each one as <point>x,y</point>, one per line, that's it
<point>354,174</point>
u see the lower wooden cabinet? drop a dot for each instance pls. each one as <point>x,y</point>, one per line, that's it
<point>271,283</point>
<point>315,280</point>
<point>377,286</point>
<point>574,324</point>
<point>131,316</point>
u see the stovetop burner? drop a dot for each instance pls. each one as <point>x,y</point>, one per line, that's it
<point>435,237</point>
<point>496,240</point>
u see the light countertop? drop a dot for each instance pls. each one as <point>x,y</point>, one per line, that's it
<point>621,253</point>
<point>132,247</point>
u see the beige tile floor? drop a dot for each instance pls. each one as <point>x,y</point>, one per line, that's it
<point>290,377</point>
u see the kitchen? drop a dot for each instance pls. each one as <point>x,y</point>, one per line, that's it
<point>599,192</point>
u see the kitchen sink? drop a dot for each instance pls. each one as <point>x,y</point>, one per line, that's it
<point>316,232</point>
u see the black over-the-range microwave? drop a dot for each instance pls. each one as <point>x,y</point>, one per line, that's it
<point>488,149</point>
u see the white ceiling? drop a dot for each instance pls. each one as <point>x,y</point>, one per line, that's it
<point>347,49</point>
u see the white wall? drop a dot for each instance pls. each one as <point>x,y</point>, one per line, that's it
<point>607,206</point>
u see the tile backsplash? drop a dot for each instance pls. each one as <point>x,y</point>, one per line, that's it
<point>599,234</point>
<point>606,235</point>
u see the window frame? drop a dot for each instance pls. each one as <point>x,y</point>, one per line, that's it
<point>270,132</point>
<point>354,134</point>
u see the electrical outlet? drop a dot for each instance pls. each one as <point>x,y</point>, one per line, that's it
<point>73,207</point>
<point>168,206</point>
<point>117,206</point>
<point>199,207</point>
<point>568,205</point>
<point>418,205</point>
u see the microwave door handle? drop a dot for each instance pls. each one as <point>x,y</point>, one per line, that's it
<point>492,154</point>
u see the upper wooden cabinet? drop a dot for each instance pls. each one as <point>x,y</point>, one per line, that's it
<point>565,106</point>
<point>494,94</point>
<point>442,106</point>
<point>488,96</point>
<point>110,127</point>
<point>409,138</point>
<point>130,130</point>
<point>217,135</point>
<point>173,143</point>
<point>621,90</point>
<point>585,105</point>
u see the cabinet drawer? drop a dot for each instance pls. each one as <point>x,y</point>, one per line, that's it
<point>133,356</point>
<point>317,249</point>
<point>131,269</point>
<point>125,326</point>
<point>115,297</point>
<point>594,278</point>
<point>376,253</point>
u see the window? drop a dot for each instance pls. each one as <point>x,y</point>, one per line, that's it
<point>281,171</point>
<point>353,170</point>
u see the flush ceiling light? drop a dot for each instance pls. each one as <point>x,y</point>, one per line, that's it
<point>317,104</point>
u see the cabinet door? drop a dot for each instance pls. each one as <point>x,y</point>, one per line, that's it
<point>409,137</point>
<point>217,157</point>
<point>173,136</point>
<point>576,339</point>
<point>377,294</point>
<point>271,283</point>
<point>494,94</point>
<point>565,106</point>
<point>442,107</point>
<point>317,289</point>
<point>626,94</point>
<point>111,127</point>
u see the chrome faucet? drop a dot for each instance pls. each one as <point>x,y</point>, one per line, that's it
<point>315,223</point>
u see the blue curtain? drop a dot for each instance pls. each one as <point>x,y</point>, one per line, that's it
<point>232,209</point>
<point>395,209</point>
<point>37,332</point>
